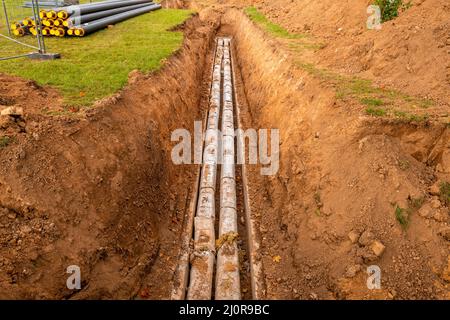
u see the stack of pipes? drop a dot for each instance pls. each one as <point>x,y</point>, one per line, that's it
<point>80,20</point>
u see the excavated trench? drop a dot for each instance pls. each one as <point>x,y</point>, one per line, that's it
<point>102,192</point>
<point>341,174</point>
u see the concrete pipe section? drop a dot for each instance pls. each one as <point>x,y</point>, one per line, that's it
<point>204,253</point>
<point>227,271</point>
<point>213,255</point>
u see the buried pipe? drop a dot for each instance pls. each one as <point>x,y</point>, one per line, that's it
<point>228,285</point>
<point>96,25</point>
<point>203,256</point>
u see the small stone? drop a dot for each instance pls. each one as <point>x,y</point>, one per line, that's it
<point>353,236</point>
<point>352,270</point>
<point>426,211</point>
<point>12,216</point>
<point>34,256</point>
<point>12,111</point>
<point>393,293</point>
<point>367,255</point>
<point>440,216</point>
<point>25,229</point>
<point>435,204</point>
<point>366,238</point>
<point>21,154</point>
<point>377,248</point>
<point>6,122</point>
<point>434,189</point>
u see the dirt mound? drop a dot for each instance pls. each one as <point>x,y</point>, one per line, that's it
<point>27,94</point>
<point>98,190</point>
<point>332,210</point>
<point>410,53</point>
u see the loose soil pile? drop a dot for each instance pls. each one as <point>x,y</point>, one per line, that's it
<point>410,52</point>
<point>331,211</point>
<point>97,188</point>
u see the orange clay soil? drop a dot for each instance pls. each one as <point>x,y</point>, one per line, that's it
<point>411,52</point>
<point>98,188</point>
<point>330,211</point>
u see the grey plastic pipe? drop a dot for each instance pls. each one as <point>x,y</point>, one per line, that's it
<point>96,25</point>
<point>102,14</point>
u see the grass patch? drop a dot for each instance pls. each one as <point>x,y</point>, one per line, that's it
<point>415,203</point>
<point>98,65</point>
<point>269,26</point>
<point>358,87</point>
<point>391,8</point>
<point>364,91</point>
<point>348,88</point>
<point>379,101</point>
<point>319,204</point>
<point>408,117</point>
<point>300,46</point>
<point>317,199</point>
<point>372,102</point>
<point>5,141</point>
<point>376,112</point>
<point>444,189</point>
<point>402,216</point>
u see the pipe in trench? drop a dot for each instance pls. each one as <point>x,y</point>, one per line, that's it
<point>203,256</point>
<point>228,285</point>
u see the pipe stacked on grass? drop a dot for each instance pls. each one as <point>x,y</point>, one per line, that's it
<point>80,20</point>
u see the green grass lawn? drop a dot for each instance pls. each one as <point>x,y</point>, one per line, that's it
<point>98,65</point>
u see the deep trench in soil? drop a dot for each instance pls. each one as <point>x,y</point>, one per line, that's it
<point>301,212</point>
<point>102,192</point>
